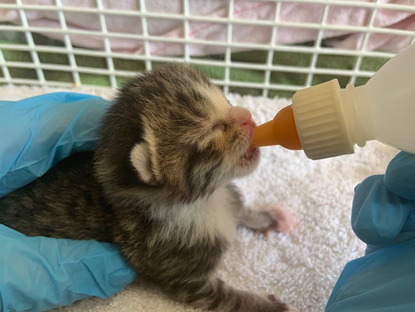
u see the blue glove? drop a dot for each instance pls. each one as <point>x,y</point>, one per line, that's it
<point>383,216</point>
<point>40,131</point>
<point>39,273</point>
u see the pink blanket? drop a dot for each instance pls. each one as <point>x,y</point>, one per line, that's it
<point>290,12</point>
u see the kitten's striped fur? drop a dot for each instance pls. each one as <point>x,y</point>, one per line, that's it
<point>158,185</point>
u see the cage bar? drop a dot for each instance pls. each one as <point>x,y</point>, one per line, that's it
<point>266,72</point>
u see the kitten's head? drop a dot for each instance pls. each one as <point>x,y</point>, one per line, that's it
<point>171,133</point>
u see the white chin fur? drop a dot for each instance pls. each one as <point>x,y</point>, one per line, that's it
<point>248,163</point>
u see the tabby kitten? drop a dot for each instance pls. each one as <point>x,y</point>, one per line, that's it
<point>159,186</point>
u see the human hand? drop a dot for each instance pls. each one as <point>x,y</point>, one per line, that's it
<point>383,205</point>
<point>383,216</point>
<point>38,132</point>
<point>39,273</point>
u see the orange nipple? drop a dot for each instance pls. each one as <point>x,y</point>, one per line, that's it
<point>279,131</point>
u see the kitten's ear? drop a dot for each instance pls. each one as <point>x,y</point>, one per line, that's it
<point>141,160</point>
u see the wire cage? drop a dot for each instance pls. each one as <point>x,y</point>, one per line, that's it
<point>267,48</point>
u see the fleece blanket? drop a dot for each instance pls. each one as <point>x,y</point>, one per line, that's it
<point>83,16</point>
<point>301,268</point>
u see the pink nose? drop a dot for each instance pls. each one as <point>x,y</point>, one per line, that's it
<point>242,117</point>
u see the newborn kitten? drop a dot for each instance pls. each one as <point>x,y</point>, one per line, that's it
<point>158,186</point>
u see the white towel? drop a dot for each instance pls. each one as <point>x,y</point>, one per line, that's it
<point>301,268</point>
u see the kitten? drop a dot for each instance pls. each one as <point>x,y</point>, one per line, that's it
<point>158,185</point>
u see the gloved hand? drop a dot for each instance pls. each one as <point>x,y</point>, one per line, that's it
<point>383,216</point>
<point>39,273</point>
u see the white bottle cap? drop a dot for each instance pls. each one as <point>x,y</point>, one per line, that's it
<point>320,121</point>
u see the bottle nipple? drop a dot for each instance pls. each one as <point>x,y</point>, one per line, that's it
<point>279,131</point>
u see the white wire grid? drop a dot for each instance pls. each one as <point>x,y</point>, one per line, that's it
<point>316,49</point>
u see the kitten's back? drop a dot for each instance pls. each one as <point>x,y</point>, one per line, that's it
<point>67,202</point>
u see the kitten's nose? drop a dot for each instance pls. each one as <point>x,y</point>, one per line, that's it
<point>242,117</point>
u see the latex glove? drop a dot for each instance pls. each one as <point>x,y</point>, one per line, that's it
<point>39,131</point>
<point>39,273</point>
<point>383,217</point>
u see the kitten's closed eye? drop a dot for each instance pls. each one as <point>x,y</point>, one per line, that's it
<point>215,131</point>
<point>219,127</point>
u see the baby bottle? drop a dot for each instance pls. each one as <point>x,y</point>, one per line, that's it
<point>326,121</point>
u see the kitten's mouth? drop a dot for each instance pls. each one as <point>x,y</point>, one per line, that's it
<point>250,157</point>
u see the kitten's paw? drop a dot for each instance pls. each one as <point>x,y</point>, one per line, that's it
<point>285,308</point>
<point>272,219</point>
<point>284,219</point>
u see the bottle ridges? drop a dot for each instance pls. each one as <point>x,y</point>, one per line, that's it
<point>319,122</point>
